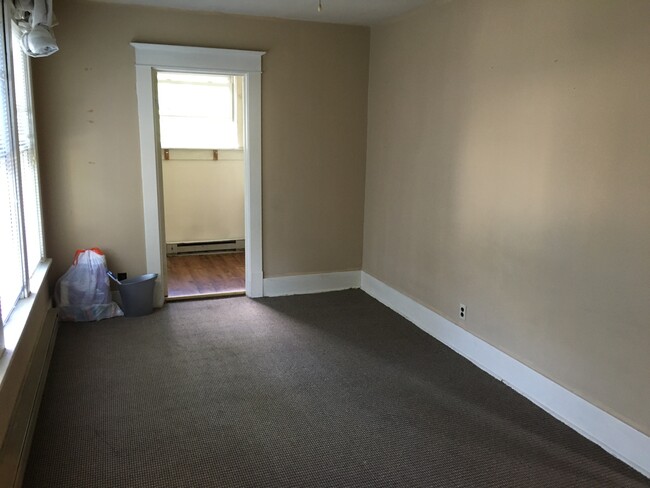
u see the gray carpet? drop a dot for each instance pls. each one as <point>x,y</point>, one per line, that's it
<point>329,390</point>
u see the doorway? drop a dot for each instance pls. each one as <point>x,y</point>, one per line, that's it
<point>201,121</point>
<point>150,58</point>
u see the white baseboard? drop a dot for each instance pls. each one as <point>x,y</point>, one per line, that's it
<point>613,435</point>
<point>311,283</point>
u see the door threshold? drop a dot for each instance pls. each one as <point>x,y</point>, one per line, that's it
<point>203,296</point>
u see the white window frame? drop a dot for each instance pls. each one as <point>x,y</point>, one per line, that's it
<point>12,321</point>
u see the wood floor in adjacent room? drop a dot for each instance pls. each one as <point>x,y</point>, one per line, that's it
<point>205,275</point>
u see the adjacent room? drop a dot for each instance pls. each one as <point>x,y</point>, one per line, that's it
<point>202,154</point>
<point>419,232</point>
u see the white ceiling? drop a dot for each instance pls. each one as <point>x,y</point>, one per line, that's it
<point>358,12</point>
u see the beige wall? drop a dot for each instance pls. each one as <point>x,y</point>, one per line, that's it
<point>508,169</point>
<point>204,200</point>
<point>314,92</point>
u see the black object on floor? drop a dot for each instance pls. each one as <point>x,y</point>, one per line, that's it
<point>327,390</point>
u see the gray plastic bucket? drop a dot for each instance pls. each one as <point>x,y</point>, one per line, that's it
<point>137,295</point>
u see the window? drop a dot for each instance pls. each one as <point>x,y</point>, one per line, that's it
<point>31,197</point>
<point>199,111</point>
<point>21,235</point>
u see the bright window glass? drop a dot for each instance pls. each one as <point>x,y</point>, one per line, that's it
<point>28,157</point>
<point>21,234</point>
<point>197,111</point>
<point>11,261</point>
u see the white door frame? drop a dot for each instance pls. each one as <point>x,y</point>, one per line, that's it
<point>152,57</point>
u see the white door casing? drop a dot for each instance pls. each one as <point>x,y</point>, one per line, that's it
<point>150,58</point>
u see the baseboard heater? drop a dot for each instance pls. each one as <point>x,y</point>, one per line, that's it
<point>203,247</point>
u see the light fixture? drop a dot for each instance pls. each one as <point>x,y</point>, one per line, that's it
<point>320,5</point>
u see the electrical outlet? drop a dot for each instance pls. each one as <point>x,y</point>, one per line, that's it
<point>462,311</point>
<point>121,276</point>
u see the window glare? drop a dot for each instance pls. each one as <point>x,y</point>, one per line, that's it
<point>198,111</point>
<point>21,237</point>
<point>11,263</point>
<point>28,157</point>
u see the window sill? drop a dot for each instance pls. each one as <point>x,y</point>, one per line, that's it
<point>15,326</point>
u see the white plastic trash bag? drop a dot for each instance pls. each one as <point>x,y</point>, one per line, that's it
<point>83,293</point>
